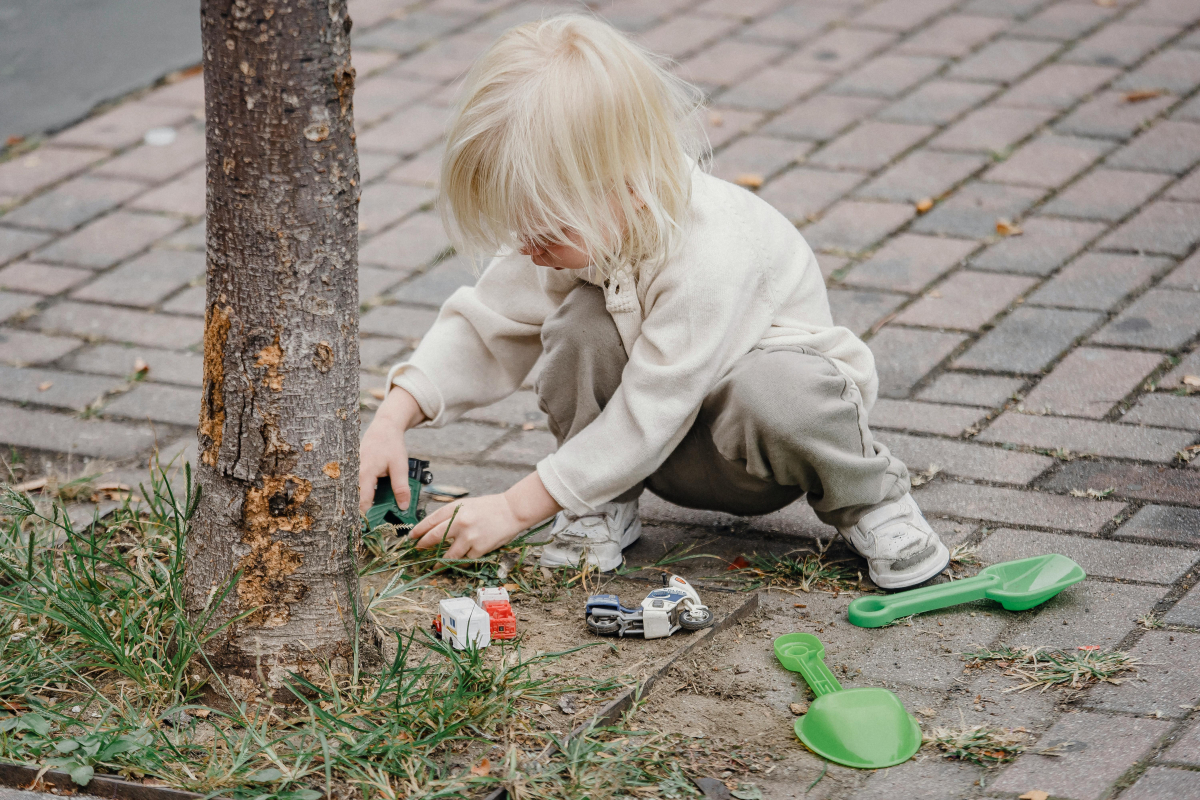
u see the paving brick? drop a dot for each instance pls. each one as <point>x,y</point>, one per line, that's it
<point>1098,557</point>
<point>1166,411</point>
<point>1189,111</point>
<point>1156,483</point>
<point>373,281</point>
<point>736,9</point>
<point>937,778</point>
<point>728,61</point>
<point>1189,365</point>
<point>888,76</point>
<point>404,322</point>
<point>962,388</point>
<point>184,195</point>
<point>908,262</point>
<point>120,325</point>
<point>1016,507</point>
<point>122,126</point>
<point>48,387</point>
<point>384,203</point>
<point>1108,114</point>
<point>1058,86</point>
<point>1186,188</point>
<point>1003,8</point>
<point>1049,160</point>
<point>383,95</point>
<point>1088,613</point>
<point>190,238</point>
<point>1098,280</point>
<point>21,348</point>
<point>901,15</point>
<point>1186,747</point>
<point>910,415</point>
<point>1168,675</point>
<point>171,404</point>
<point>859,309</point>
<point>953,36</point>
<point>407,132</point>
<point>723,125</point>
<point>434,286</point>
<point>966,300</point>
<point>1163,523</point>
<point>456,440</point>
<point>1185,276</point>
<point>922,174</point>
<point>107,240</point>
<point>1167,147</point>
<point>1086,436</point>
<point>796,23</point>
<point>992,129</point>
<point>14,242</point>
<point>1090,381</point>
<point>156,163</point>
<point>1159,319</point>
<point>407,33</point>
<point>27,276</point>
<point>1045,244</point>
<point>758,155</point>
<point>1004,60</point>
<point>145,280</point>
<point>189,302</point>
<point>379,352</point>
<point>164,366</point>
<point>937,102</point>
<point>965,459</point>
<point>1027,340</point>
<point>1187,610</point>
<point>802,193</point>
<point>772,89</point>
<point>829,264</point>
<point>870,146</point>
<point>821,117</point>
<point>972,211</point>
<point>11,303</point>
<point>904,355</point>
<point>1120,44</point>
<point>449,58</point>
<point>527,447</point>
<point>72,203</point>
<point>838,50</point>
<point>1111,746</point>
<point>1161,783</point>
<point>45,430</point>
<point>1163,226</point>
<point>1175,71</point>
<point>413,243</point>
<point>1166,12</point>
<point>46,165</point>
<point>684,34</point>
<point>853,225</point>
<point>519,408</point>
<point>1063,21</point>
<point>1106,194</point>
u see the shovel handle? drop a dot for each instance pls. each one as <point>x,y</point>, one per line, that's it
<point>804,653</point>
<point>874,611</point>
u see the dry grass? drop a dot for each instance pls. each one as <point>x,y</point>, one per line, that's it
<point>1042,668</point>
<point>978,744</point>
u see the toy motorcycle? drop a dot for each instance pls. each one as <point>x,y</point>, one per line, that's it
<point>663,612</point>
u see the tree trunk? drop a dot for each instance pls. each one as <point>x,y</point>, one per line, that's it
<point>279,427</point>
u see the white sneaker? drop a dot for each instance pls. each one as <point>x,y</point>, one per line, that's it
<point>898,544</point>
<point>601,534</point>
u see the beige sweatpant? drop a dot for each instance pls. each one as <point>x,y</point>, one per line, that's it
<point>784,422</point>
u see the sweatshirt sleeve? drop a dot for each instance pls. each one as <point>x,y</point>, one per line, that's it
<point>484,342</point>
<point>693,324</point>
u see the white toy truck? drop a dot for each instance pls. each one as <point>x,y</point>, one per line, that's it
<point>463,623</point>
<point>663,612</point>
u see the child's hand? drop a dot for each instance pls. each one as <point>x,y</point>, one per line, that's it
<point>382,451</point>
<point>481,524</point>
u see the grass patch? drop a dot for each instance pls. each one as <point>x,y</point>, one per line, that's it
<point>978,744</point>
<point>806,571</point>
<point>101,673</point>
<point>1150,622</point>
<point>1044,668</point>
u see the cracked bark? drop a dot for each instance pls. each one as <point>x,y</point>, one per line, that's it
<point>278,434</point>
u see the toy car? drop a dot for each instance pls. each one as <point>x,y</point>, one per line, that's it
<point>495,602</point>
<point>385,508</point>
<point>463,623</point>
<point>663,612</point>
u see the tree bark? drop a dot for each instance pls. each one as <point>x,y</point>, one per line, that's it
<point>279,426</point>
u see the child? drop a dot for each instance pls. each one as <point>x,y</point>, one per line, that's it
<point>685,333</point>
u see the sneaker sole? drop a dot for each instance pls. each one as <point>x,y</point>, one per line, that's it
<point>904,580</point>
<point>631,534</point>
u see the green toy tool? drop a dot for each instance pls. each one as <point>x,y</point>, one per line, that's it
<point>867,727</point>
<point>1016,585</point>
<point>387,510</point>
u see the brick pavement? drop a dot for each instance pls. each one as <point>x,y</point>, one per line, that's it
<point>1028,367</point>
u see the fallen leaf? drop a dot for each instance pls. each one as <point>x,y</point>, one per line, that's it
<point>202,713</point>
<point>510,587</point>
<point>749,179</point>
<point>927,712</point>
<point>528,426</point>
<point>798,708</point>
<point>566,704</point>
<point>110,486</point>
<point>1141,95</point>
<point>1006,227</point>
<point>376,393</point>
<point>924,205</point>
<point>799,605</point>
<point>933,293</point>
<point>1088,647</point>
<point>716,120</point>
<point>31,486</point>
<point>1036,794</point>
<point>544,708</point>
<point>1191,380</point>
<point>738,563</point>
<point>483,768</point>
<point>43,386</point>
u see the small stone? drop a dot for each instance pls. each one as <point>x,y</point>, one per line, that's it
<point>798,708</point>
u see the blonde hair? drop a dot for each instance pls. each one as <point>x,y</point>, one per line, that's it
<point>565,124</point>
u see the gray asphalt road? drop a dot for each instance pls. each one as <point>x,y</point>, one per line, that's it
<point>59,58</point>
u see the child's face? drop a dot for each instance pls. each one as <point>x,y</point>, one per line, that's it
<point>566,255</point>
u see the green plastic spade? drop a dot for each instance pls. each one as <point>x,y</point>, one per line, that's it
<point>866,728</point>
<point>1016,585</point>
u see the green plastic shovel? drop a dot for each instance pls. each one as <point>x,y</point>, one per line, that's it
<point>1016,585</point>
<point>866,728</point>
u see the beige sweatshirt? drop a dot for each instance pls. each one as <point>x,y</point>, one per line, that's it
<point>742,277</point>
